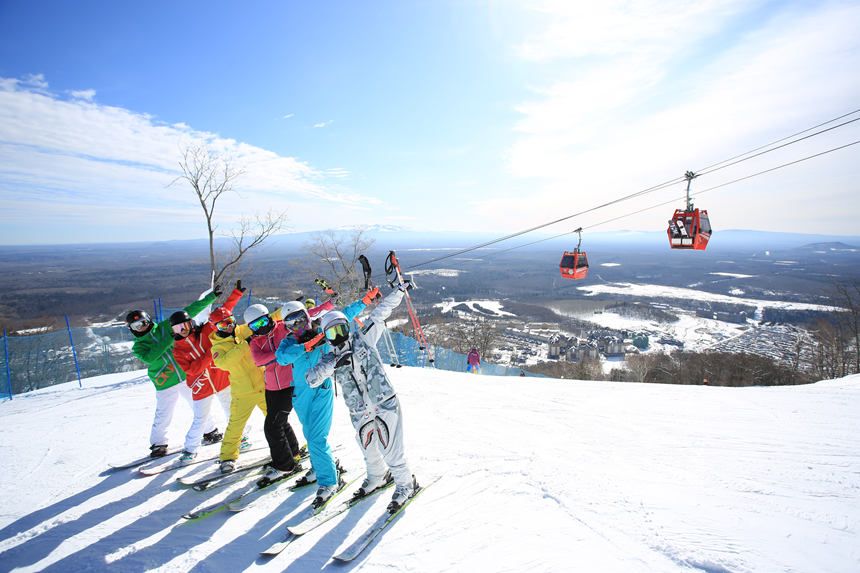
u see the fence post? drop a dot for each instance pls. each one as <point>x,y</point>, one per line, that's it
<point>74,354</point>
<point>8,371</point>
<point>249,298</point>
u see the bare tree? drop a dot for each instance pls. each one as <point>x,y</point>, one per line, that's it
<point>837,346</point>
<point>211,176</point>
<point>334,255</point>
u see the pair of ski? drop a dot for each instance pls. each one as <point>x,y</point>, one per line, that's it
<point>153,466</point>
<point>174,462</point>
<point>247,496</point>
<point>363,541</point>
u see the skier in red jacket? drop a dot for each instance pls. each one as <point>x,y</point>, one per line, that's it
<point>207,382</point>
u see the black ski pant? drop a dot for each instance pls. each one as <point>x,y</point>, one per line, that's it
<point>283,444</point>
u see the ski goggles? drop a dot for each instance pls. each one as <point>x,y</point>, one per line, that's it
<point>296,320</point>
<point>337,331</point>
<point>226,324</point>
<point>140,324</point>
<point>259,323</point>
<point>183,327</point>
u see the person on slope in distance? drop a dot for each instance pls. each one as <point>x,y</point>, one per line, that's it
<point>267,332</point>
<point>313,404</point>
<point>207,382</point>
<point>473,362</point>
<point>231,353</point>
<point>153,345</point>
<point>374,409</point>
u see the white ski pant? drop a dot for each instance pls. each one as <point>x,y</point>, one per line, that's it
<point>204,422</point>
<point>165,404</point>
<point>379,431</point>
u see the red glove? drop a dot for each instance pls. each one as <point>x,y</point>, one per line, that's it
<point>317,340</point>
<point>371,294</point>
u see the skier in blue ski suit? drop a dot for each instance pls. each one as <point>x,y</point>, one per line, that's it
<point>313,406</point>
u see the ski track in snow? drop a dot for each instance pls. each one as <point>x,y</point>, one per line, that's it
<point>538,475</point>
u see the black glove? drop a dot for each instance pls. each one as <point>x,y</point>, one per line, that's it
<point>344,358</point>
<point>217,290</point>
<point>239,286</point>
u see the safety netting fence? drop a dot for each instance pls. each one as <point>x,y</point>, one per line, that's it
<point>41,360</point>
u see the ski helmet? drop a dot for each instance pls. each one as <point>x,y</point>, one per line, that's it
<point>254,316</point>
<point>219,314</point>
<point>336,327</point>
<point>138,322</point>
<point>310,303</point>
<point>181,321</point>
<point>296,317</point>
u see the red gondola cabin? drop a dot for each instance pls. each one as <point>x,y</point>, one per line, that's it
<point>574,264</point>
<point>689,229</point>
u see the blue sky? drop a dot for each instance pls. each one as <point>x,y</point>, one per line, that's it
<point>450,115</point>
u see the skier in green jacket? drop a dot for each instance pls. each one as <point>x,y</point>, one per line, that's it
<point>153,345</point>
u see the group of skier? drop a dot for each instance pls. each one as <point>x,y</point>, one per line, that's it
<point>279,361</point>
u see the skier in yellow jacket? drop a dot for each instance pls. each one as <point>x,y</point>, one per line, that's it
<point>230,352</point>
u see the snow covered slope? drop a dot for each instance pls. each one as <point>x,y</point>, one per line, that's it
<point>539,475</point>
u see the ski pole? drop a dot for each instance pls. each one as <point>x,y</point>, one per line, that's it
<point>393,267</point>
<point>386,335</point>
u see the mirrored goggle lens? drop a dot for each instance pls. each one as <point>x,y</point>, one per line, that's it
<point>338,330</point>
<point>295,320</point>
<point>224,325</point>
<point>182,327</point>
<point>258,323</point>
<point>139,324</point>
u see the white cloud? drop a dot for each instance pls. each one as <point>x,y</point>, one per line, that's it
<point>635,93</point>
<point>88,95</point>
<point>77,158</point>
<point>289,115</point>
<point>324,123</point>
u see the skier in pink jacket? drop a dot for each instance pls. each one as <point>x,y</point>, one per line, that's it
<point>473,362</point>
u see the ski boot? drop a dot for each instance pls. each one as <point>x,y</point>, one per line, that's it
<point>273,475</point>
<point>228,466</point>
<point>158,451</point>
<point>325,492</point>
<point>401,494</point>
<point>245,444</point>
<point>371,484</point>
<point>212,437</point>
<point>187,457</point>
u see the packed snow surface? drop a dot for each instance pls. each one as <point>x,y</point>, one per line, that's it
<point>537,475</point>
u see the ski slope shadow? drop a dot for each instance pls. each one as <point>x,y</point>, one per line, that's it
<point>39,529</point>
<point>318,556</point>
<point>45,529</point>
<point>139,545</point>
<point>270,526</point>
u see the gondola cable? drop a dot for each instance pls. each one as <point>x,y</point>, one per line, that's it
<point>706,170</point>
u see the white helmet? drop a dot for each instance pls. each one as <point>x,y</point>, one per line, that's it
<point>254,312</point>
<point>297,324</point>
<point>332,319</point>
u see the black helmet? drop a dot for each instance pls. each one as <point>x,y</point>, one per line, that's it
<point>177,319</point>
<point>138,322</point>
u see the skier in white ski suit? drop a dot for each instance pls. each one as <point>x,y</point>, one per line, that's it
<point>351,358</point>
